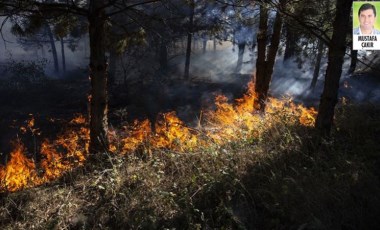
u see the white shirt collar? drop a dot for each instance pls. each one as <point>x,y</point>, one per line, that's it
<point>372,32</point>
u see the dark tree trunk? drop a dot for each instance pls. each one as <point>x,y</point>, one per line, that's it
<point>189,39</point>
<point>317,66</point>
<point>188,55</point>
<point>53,48</point>
<point>182,44</point>
<point>337,49</point>
<point>112,67</point>
<point>261,52</point>
<point>241,48</point>
<point>275,41</point>
<point>254,40</point>
<point>354,60</point>
<point>163,55</point>
<point>291,43</point>
<point>215,41</point>
<point>233,41</point>
<point>63,55</point>
<point>204,45</point>
<point>98,76</point>
<point>264,66</point>
<point>125,75</point>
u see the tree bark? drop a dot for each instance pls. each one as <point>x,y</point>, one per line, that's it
<point>163,55</point>
<point>98,76</point>
<point>265,63</point>
<point>354,60</point>
<point>241,48</point>
<point>253,46</point>
<point>189,39</point>
<point>317,66</point>
<point>337,49</point>
<point>53,48</point>
<point>63,55</point>
<point>204,45</point>
<point>112,67</point>
<point>261,53</point>
<point>290,45</point>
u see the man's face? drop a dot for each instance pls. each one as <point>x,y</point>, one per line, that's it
<point>367,19</point>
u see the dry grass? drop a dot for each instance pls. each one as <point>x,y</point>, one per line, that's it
<point>286,178</point>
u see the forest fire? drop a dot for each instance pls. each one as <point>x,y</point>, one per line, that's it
<point>59,156</point>
<point>228,122</point>
<point>19,171</point>
<point>170,133</point>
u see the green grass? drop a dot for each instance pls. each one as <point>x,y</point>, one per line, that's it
<point>286,179</point>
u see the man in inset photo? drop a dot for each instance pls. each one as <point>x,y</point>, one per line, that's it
<point>367,18</point>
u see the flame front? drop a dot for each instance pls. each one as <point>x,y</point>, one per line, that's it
<point>20,172</point>
<point>135,135</point>
<point>171,133</point>
<point>63,154</point>
<point>230,121</point>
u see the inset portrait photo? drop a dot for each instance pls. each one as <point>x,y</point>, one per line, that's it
<point>366,25</point>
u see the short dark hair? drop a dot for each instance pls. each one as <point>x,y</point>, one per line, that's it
<point>367,6</point>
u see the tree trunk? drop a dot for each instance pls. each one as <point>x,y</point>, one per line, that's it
<point>182,44</point>
<point>290,45</point>
<point>265,67</point>
<point>63,55</point>
<point>317,65</point>
<point>254,39</point>
<point>112,67</point>
<point>204,45</point>
<point>241,48</point>
<point>215,41</point>
<point>189,38</point>
<point>275,41</point>
<point>53,49</point>
<point>98,76</point>
<point>354,60</point>
<point>163,55</point>
<point>261,53</point>
<point>337,49</point>
<point>125,75</point>
<point>233,40</point>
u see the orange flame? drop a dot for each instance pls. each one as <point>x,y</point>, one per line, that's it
<point>231,122</point>
<point>53,164</point>
<point>228,122</point>
<point>171,133</point>
<point>136,135</point>
<point>59,156</point>
<point>20,172</point>
<point>308,116</point>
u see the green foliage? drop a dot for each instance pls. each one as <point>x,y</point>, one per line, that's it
<point>69,25</point>
<point>121,43</point>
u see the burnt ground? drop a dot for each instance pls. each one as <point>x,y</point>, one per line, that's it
<point>54,102</point>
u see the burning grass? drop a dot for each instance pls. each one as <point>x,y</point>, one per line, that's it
<point>63,154</point>
<point>281,178</point>
<point>229,122</point>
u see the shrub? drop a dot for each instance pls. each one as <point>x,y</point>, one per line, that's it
<point>25,73</point>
